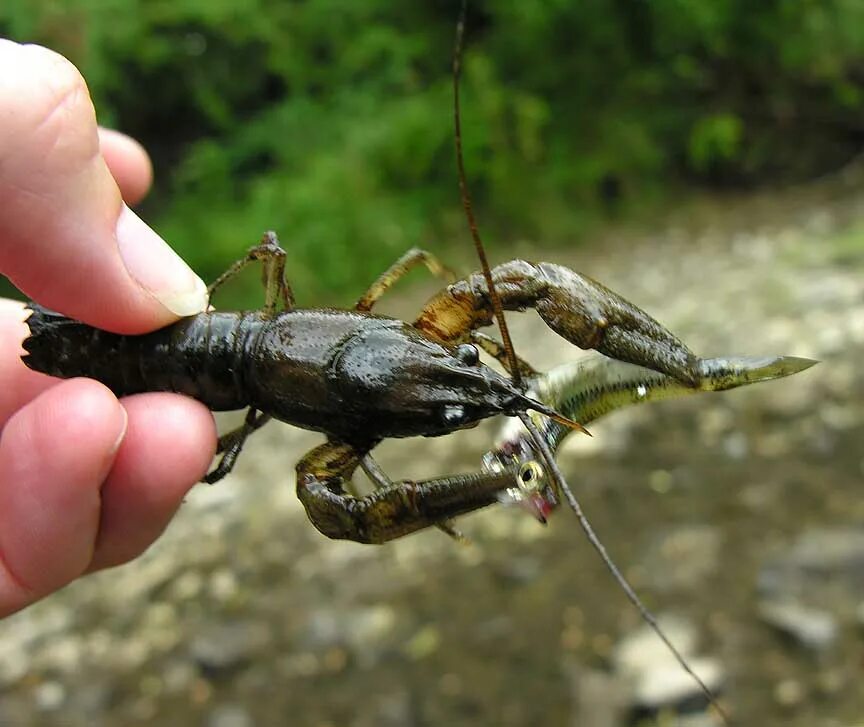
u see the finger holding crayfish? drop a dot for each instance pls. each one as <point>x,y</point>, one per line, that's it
<point>588,389</point>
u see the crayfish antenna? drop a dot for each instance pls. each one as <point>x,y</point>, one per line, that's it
<point>648,616</point>
<point>497,308</point>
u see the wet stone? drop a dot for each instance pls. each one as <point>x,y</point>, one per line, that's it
<point>657,680</point>
<point>813,628</point>
<point>822,570</point>
<point>50,696</point>
<point>229,715</point>
<point>225,646</point>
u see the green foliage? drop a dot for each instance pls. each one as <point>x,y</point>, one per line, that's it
<point>714,140</point>
<point>330,120</point>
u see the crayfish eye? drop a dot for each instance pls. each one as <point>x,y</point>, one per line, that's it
<point>468,354</point>
<point>453,414</point>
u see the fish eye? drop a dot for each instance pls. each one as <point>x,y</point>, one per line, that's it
<point>468,354</point>
<point>454,414</point>
<point>530,473</point>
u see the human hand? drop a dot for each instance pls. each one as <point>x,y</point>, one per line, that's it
<point>86,481</point>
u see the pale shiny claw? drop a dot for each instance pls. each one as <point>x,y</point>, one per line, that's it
<point>588,389</point>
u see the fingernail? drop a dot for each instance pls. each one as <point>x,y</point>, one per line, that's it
<point>122,433</point>
<point>157,268</point>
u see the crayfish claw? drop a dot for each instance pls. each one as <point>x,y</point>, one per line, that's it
<point>646,343</point>
<point>580,310</point>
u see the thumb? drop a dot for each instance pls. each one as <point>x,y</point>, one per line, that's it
<point>66,237</point>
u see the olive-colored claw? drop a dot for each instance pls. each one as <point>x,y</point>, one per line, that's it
<point>595,386</point>
<point>392,511</point>
<point>577,308</point>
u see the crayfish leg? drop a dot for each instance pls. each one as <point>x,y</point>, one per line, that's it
<point>231,444</point>
<point>381,481</point>
<point>272,257</point>
<point>497,351</point>
<point>410,260</point>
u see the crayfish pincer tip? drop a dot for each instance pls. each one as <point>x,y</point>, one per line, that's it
<point>785,366</point>
<point>798,363</point>
<point>719,374</point>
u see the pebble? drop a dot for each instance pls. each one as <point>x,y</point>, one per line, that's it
<point>178,675</point>
<point>423,644</point>
<point>656,678</point>
<point>668,685</point>
<point>789,693</point>
<point>813,628</point>
<point>224,646</point>
<point>229,715</point>
<point>641,650</point>
<point>49,696</point>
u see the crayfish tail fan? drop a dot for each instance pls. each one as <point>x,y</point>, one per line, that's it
<point>56,343</point>
<point>66,348</point>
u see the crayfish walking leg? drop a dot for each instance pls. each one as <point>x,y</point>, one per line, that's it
<point>231,443</point>
<point>276,290</point>
<point>407,262</point>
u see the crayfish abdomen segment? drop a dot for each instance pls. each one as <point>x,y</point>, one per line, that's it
<point>200,356</point>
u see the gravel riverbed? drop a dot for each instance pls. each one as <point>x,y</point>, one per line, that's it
<point>739,517</point>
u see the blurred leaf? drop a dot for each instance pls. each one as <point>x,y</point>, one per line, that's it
<point>715,139</point>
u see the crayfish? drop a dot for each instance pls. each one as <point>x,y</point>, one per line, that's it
<point>359,377</point>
